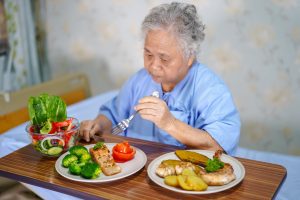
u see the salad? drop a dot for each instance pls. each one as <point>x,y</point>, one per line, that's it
<point>51,131</point>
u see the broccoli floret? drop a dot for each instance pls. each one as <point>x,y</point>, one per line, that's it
<point>81,164</point>
<point>90,170</point>
<point>78,150</point>
<point>85,158</point>
<point>75,168</point>
<point>68,159</point>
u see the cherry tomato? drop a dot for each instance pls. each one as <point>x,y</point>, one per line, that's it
<point>123,152</point>
<point>31,129</point>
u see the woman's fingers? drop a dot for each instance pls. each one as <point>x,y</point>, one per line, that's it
<point>148,103</point>
<point>88,129</point>
<point>149,99</point>
<point>145,108</point>
<point>95,129</point>
<point>84,131</point>
<point>155,110</point>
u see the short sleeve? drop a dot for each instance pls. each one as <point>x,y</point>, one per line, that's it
<point>220,118</point>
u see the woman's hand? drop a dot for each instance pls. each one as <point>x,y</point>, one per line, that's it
<point>88,129</point>
<point>155,110</point>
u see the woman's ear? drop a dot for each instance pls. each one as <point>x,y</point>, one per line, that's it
<point>191,60</point>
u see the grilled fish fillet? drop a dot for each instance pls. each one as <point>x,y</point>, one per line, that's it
<point>105,160</point>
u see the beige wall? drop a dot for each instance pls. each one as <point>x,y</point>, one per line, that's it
<point>252,45</point>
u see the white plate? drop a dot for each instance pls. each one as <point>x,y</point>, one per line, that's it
<point>238,168</point>
<point>128,168</point>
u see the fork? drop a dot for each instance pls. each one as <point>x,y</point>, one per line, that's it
<point>124,124</point>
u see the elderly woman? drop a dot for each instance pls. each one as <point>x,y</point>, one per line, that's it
<point>195,108</point>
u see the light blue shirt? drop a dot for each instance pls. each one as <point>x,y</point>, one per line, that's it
<point>201,100</point>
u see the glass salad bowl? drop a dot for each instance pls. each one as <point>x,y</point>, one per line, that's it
<point>56,141</point>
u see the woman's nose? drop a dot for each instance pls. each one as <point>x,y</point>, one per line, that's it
<point>155,64</point>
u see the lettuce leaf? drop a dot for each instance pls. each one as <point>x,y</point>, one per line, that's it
<point>45,108</point>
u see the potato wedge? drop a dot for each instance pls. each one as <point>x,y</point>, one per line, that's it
<point>196,183</point>
<point>188,172</point>
<point>171,181</point>
<point>193,157</point>
<point>182,182</point>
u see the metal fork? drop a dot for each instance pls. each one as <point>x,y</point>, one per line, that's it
<point>124,124</point>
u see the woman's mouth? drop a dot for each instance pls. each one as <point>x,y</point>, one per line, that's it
<point>156,78</point>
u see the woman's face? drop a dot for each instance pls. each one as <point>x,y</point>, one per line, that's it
<point>164,59</point>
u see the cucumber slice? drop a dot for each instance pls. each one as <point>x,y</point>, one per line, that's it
<point>47,143</point>
<point>54,151</point>
<point>46,128</point>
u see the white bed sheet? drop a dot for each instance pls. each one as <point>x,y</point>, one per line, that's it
<point>88,109</point>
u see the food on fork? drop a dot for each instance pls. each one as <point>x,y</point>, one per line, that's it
<point>101,155</point>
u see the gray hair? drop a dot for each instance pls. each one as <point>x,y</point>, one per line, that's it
<point>182,20</point>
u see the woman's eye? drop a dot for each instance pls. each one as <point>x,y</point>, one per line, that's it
<point>164,60</point>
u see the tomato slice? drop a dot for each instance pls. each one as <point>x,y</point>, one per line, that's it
<point>54,129</point>
<point>37,136</point>
<point>69,121</point>
<point>123,152</point>
<point>60,124</point>
<point>124,147</point>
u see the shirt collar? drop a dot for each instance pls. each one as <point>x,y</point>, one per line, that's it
<point>179,86</point>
